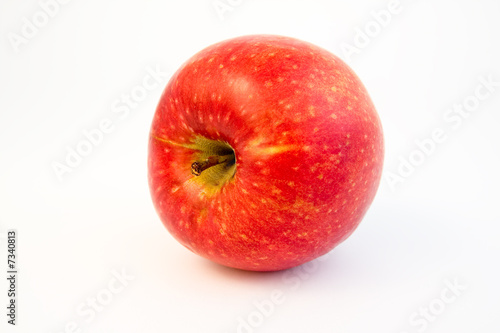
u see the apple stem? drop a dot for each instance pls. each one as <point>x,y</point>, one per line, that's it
<point>199,166</point>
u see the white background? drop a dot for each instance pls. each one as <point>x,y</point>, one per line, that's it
<point>437,226</point>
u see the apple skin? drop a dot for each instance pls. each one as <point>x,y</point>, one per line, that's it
<point>308,152</point>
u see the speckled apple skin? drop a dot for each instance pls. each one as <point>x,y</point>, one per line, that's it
<point>308,144</point>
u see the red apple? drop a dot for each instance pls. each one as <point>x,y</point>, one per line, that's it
<point>265,152</point>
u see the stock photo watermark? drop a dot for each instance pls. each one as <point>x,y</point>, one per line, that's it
<point>363,36</point>
<point>32,25</point>
<point>222,7</point>
<point>12,276</point>
<point>265,308</point>
<point>89,309</point>
<point>121,109</point>
<point>425,315</point>
<point>453,119</point>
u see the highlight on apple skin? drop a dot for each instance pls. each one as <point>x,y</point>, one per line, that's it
<point>265,152</point>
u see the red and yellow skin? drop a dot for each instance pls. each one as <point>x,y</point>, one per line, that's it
<point>265,152</point>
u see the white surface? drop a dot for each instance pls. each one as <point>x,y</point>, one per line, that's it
<point>440,225</point>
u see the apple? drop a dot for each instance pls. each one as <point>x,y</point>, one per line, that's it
<point>265,152</point>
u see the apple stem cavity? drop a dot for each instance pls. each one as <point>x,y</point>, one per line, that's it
<point>213,163</point>
<point>199,166</point>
